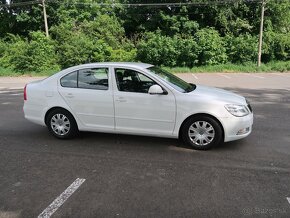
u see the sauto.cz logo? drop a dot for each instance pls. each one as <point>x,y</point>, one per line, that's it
<point>263,211</point>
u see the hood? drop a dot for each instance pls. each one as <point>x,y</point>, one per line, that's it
<point>218,94</point>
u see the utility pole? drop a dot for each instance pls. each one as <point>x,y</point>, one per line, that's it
<point>45,18</point>
<point>261,33</point>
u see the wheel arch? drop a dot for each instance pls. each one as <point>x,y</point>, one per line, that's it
<point>55,108</point>
<point>206,115</point>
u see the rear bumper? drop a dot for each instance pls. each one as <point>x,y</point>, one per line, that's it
<point>33,114</point>
<point>237,127</point>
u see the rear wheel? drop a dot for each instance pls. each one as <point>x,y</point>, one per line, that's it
<point>61,124</point>
<point>202,132</point>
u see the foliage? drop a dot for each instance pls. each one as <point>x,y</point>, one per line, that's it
<point>181,36</point>
<point>12,50</point>
<point>40,53</point>
<point>211,47</point>
<point>79,49</point>
<point>120,55</point>
<point>158,49</point>
<point>90,42</point>
<point>188,51</point>
<point>178,24</point>
<point>35,55</point>
<point>107,28</point>
<point>242,49</point>
<point>276,46</point>
<point>276,66</point>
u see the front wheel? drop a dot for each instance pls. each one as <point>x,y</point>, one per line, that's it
<point>61,124</point>
<point>202,132</point>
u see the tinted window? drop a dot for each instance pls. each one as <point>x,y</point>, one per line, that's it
<point>96,78</point>
<point>132,81</point>
<point>69,80</point>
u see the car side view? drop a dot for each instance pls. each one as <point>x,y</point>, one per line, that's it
<point>136,98</point>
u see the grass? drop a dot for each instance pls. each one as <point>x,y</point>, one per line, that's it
<point>9,72</point>
<point>277,66</point>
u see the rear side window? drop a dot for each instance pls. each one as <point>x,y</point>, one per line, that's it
<point>70,80</point>
<point>92,78</point>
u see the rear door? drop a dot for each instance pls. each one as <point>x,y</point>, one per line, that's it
<point>88,93</point>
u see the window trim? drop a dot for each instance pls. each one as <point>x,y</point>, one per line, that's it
<point>77,71</point>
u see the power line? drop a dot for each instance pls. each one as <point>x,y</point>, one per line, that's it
<point>20,3</point>
<point>166,4</point>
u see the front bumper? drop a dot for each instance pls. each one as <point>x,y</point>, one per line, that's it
<point>237,127</point>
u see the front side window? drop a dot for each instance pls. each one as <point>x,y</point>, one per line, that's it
<point>92,78</point>
<point>132,81</point>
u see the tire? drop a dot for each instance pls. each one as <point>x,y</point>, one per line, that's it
<point>61,124</point>
<point>202,132</point>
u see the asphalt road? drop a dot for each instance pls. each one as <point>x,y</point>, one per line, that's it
<point>134,176</point>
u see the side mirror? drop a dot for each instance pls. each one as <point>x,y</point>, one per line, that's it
<point>155,90</point>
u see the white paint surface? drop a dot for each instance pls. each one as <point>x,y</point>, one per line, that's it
<point>288,199</point>
<point>256,76</point>
<point>61,198</point>
<point>225,76</point>
<point>194,76</point>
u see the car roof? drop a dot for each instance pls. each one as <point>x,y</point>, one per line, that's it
<point>137,65</point>
<point>118,64</point>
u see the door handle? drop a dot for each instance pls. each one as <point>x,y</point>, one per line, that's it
<point>121,99</point>
<point>69,95</point>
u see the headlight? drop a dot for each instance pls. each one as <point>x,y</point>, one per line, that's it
<point>237,110</point>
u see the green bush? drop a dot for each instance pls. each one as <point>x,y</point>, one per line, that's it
<point>276,46</point>
<point>242,49</point>
<point>188,52</point>
<point>40,54</point>
<point>123,55</point>
<point>106,28</point>
<point>96,41</point>
<point>13,50</point>
<point>80,49</point>
<point>158,49</point>
<point>206,48</point>
<point>36,55</point>
<point>211,47</point>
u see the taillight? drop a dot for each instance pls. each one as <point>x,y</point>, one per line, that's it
<point>24,93</point>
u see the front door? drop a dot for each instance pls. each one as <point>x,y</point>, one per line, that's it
<point>136,111</point>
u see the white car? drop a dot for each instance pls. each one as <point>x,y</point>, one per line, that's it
<point>136,98</point>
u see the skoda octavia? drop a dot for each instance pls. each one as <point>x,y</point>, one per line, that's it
<point>136,98</point>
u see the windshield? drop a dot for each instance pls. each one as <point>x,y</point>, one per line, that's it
<point>172,80</point>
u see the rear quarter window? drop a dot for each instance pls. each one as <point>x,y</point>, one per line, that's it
<point>70,80</point>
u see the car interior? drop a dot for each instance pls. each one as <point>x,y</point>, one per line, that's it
<point>132,81</point>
